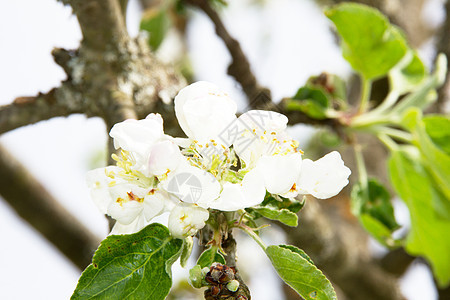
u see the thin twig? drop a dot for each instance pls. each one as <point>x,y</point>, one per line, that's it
<point>239,67</point>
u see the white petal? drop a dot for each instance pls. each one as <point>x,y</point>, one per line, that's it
<point>164,157</point>
<point>186,219</point>
<point>232,198</point>
<point>237,196</point>
<point>204,111</point>
<point>251,139</point>
<point>123,207</point>
<point>154,204</point>
<point>137,135</point>
<point>98,184</point>
<point>133,227</point>
<point>325,177</point>
<point>125,213</point>
<point>253,186</point>
<point>280,171</point>
<point>192,185</point>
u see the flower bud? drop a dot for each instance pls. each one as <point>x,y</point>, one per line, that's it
<point>233,285</point>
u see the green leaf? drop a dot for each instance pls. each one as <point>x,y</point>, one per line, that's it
<point>283,215</point>
<point>438,129</point>
<point>196,276</point>
<point>436,160</point>
<point>429,233</point>
<point>408,74</point>
<point>210,256</point>
<point>297,271</point>
<point>186,251</point>
<point>374,210</point>
<point>312,101</point>
<point>369,43</point>
<point>425,93</point>
<point>156,22</point>
<point>331,84</point>
<point>298,251</point>
<point>279,202</point>
<point>375,201</point>
<point>134,266</point>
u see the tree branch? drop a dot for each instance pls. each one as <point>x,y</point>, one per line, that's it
<point>102,24</point>
<point>396,262</point>
<point>36,206</point>
<point>29,110</point>
<point>239,67</point>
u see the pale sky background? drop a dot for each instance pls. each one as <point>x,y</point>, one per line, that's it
<point>286,41</point>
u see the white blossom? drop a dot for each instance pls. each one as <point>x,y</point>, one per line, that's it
<point>325,177</point>
<point>164,157</point>
<point>264,145</point>
<point>186,219</point>
<point>153,175</point>
<point>204,111</point>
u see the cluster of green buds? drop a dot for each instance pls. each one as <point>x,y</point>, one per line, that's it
<point>220,280</point>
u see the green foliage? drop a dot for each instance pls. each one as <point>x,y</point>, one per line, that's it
<point>186,251</point>
<point>196,277</point>
<point>210,256</point>
<point>429,232</point>
<point>424,94</point>
<point>134,266</point>
<point>299,272</point>
<point>280,202</point>
<point>438,129</point>
<point>312,101</point>
<point>408,74</point>
<point>333,86</point>
<point>277,208</point>
<point>156,22</point>
<point>436,161</point>
<point>298,251</point>
<point>372,205</point>
<point>369,42</point>
<point>283,215</point>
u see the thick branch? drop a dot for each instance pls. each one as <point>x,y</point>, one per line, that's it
<point>35,205</point>
<point>396,262</point>
<point>102,24</point>
<point>29,110</point>
<point>239,67</point>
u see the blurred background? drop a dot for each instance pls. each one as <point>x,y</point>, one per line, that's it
<point>286,42</point>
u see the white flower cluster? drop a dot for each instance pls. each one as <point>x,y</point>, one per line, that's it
<point>226,163</point>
